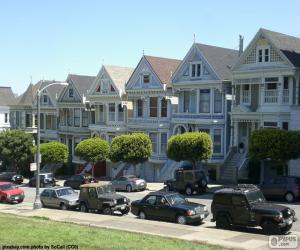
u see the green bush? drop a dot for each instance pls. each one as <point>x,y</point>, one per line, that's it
<point>132,148</point>
<point>92,150</point>
<point>53,152</point>
<point>194,147</point>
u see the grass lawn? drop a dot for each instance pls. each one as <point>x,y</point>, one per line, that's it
<point>38,231</point>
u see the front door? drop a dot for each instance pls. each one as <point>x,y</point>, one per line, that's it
<point>240,210</point>
<point>150,209</point>
<point>93,199</point>
<point>164,210</point>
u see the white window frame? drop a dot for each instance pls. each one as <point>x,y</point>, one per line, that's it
<point>221,141</point>
<point>210,100</point>
<point>263,48</point>
<point>143,77</point>
<point>196,70</point>
<point>266,89</point>
<point>110,113</point>
<point>43,99</point>
<point>222,100</point>
<point>242,94</point>
<point>71,91</point>
<point>266,126</point>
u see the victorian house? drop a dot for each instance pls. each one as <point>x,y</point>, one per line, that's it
<point>202,83</point>
<point>150,91</point>
<point>74,116</point>
<point>23,112</point>
<point>266,88</point>
<point>6,98</point>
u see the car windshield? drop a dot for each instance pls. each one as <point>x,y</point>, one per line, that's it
<point>256,196</point>
<point>105,189</point>
<point>174,199</point>
<point>7,187</point>
<point>65,191</point>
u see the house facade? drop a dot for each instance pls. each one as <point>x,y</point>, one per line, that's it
<point>6,98</point>
<point>74,117</point>
<point>266,88</point>
<point>150,91</point>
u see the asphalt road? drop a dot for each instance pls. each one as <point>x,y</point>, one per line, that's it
<point>204,199</point>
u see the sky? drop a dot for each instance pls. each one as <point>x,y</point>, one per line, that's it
<point>51,38</point>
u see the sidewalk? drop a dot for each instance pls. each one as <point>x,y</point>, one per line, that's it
<point>206,233</point>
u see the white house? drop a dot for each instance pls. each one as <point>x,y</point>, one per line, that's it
<point>6,98</point>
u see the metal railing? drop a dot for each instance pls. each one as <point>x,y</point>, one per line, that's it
<point>271,96</point>
<point>285,96</point>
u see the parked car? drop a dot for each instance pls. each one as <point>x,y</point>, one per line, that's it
<point>102,197</point>
<point>11,177</point>
<point>187,181</point>
<point>246,206</point>
<point>281,187</point>
<point>129,183</point>
<point>76,180</point>
<point>46,179</point>
<point>169,206</point>
<point>60,197</point>
<point>10,193</point>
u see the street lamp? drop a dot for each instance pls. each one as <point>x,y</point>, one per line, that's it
<point>37,203</point>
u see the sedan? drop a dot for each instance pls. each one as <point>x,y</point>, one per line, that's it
<point>11,177</point>
<point>60,197</point>
<point>10,193</point>
<point>129,183</point>
<point>169,206</point>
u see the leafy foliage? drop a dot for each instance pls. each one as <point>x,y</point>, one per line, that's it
<point>194,147</point>
<point>93,150</point>
<point>133,148</point>
<point>16,148</point>
<point>53,152</point>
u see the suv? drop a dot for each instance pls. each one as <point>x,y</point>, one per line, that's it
<point>46,179</point>
<point>187,181</point>
<point>102,197</point>
<point>245,205</point>
<point>76,180</point>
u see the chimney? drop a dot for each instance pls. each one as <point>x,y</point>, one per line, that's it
<point>241,44</point>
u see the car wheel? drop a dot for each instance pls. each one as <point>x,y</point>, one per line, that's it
<point>289,197</point>
<point>222,222</point>
<point>107,211</point>
<point>126,211</point>
<point>181,220</point>
<point>128,188</point>
<point>63,206</point>
<point>270,228</point>
<point>142,215</point>
<point>188,190</point>
<point>83,208</point>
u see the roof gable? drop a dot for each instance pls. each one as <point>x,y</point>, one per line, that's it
<point>7,97</point>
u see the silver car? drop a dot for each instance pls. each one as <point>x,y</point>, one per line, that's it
<point>129,183</point>
<point>60,197</point>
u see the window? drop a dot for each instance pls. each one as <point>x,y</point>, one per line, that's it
<point>45,99</point>
<point>71,93</point>
<point>104,87</point>
<point>49,122</point>
<point>76,117</point>
<point>146,78</point>
<point>271,91</point>
<point>285,93</point>
<point>196,70</point>
<point>204,101</point>
<point>263,55</point>
<point>28,120</point>
<point>93,118</point>
<point>112,89</point>
<point>204,130</point>
<point>217,141</point>
<point>153,137</point>
<point>151,200</point>
<point>6,117</point>
<point>179,176</point>
<point>101,113</point>
<point>285,125</point>
<point>217,101</point>
<point>188,176</point>
<point>98,89</point>
<point>246,94</point>
<point>164,108</point>
<point>139,108</point>
<point>111,111</point>
<point>260,56</point>
<point>163,142</point>
<point>270,124</point>
<point>42,121</point>
<point>153,106</point>
<point>69,117</point>
<point>186,101</point>
<point>120,113</point>
<point>238,200</point>
<point>266,55</point>
<point>85,118</point>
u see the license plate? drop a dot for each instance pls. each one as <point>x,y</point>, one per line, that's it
<point>202,216</point>
<point>16,197</point>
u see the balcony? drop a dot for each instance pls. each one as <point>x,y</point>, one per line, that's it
<point>271,96</point>
<point>285,96</point>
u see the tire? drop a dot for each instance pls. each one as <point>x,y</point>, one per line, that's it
<point>188,190</point>
<point>107,211</point>
<point>181,219</point>
<point>126,211</point>
<point>270,228</point>
<point>63,206</point>
<point>222,222</point>
<point>83,208</point>
<point>142,215</point>
<point>289,197</point>
<point>129,188</point>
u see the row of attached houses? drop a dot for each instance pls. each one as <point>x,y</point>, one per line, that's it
<point>223,92</point>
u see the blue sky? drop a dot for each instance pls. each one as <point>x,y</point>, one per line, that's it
<point>51,38</point>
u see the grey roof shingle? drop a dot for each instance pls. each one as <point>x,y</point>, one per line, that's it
<point>221,59</point>
<point>6,96</point>
<point>289,45</point>
<point>81,82</point>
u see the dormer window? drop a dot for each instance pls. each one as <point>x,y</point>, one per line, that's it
<point>263,55</point>
<point>146,78</point>
<point>98,89</point>
<point>104,87</point>
<point>71,93</point>
<point>45,99</point>
<point>112,89</point>
<point>195,70</point>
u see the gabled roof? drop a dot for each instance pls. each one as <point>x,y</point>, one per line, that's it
<point>289,45</point>
<point>221,59</point>
<point>119,75</point>
<point>163,68</point>
<point>81,82</point>
<point>6,96</point>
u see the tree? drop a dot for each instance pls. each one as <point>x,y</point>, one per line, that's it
<point>16,149</point>
<point>53,152</point>
<point>133,148</point>
<point>93,150</point>
<point>196,146</point>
